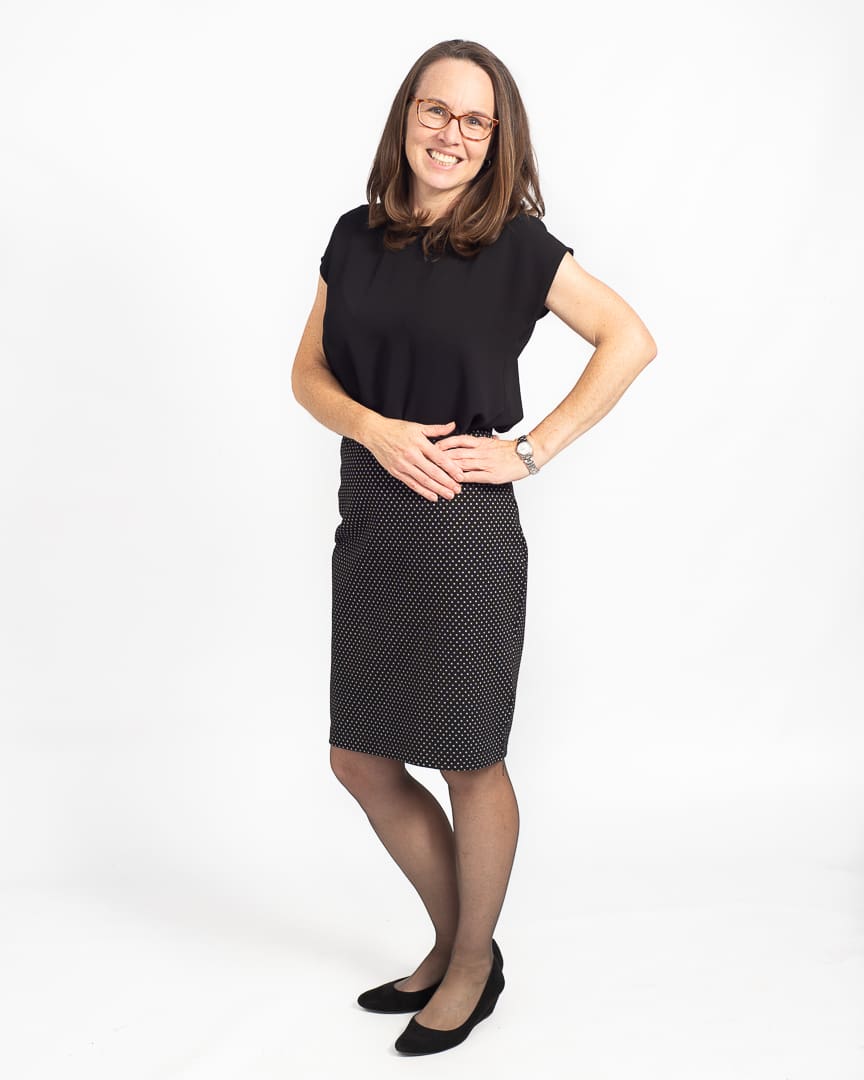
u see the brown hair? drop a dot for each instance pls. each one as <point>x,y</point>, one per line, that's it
<point>505,187</point>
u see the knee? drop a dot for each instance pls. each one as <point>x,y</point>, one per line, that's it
<point>363,773</point>
<point>346,767</point>
<point>468,779</point>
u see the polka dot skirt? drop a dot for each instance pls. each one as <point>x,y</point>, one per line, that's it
<point>428,618</point>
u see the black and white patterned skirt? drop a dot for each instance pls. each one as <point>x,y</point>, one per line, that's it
<point>428,618</point>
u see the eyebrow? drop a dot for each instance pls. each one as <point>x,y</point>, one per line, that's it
<point>441,101</point>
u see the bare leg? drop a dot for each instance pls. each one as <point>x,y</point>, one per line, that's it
<point>415,830</point>
<point>486,824</point>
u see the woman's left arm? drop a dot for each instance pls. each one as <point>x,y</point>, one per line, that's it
<point>622,348</point>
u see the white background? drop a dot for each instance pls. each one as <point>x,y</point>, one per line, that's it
<point>187,890</point>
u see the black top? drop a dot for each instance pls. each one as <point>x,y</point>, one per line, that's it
<point>435,340</point>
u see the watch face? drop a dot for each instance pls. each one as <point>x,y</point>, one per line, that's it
<point>523,449</point>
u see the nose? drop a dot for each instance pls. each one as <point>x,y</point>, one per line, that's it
<point>448,132</point>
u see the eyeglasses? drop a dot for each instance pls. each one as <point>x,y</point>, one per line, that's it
<point>432,114</point>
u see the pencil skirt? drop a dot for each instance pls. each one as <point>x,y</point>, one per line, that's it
<point>428,618</point>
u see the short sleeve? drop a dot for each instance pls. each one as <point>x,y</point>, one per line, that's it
<point>345,229</point>
<point>540,255</point>
<point>328,254</point>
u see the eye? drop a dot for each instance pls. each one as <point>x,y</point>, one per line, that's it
<point>475,121</point>
<point>435,110</point>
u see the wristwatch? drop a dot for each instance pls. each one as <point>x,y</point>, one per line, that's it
<point>525,451</point>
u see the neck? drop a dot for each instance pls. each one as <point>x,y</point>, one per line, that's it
<point>437,206</point>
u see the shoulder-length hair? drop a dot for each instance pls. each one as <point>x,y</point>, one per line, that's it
<point>506,185</point>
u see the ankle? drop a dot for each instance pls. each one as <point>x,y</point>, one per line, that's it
<point>442,950</point>
<point>471,964</point>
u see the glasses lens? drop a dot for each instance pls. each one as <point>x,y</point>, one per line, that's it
<point>433,115</point>
<point>475,127</point>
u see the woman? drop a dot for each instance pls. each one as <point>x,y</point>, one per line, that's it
<point>428,292</point>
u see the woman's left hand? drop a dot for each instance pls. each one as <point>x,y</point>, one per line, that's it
<point>484,459</point>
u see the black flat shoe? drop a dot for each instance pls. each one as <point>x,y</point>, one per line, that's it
<point>387,999</point>
<point>417,1039</point>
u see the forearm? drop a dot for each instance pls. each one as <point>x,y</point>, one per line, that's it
<point>318,390</point>
<point>614,364</point>
<point>401,447</point>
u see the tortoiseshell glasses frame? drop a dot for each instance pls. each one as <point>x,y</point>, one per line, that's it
<point>469,131</point>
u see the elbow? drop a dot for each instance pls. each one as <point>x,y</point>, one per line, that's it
<point>634,341</point>
<point>297,385</point>
<point>309,366</point>
<point>297,390</point>
<point>647,348</point>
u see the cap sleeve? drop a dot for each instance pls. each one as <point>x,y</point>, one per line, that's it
<point>540,255</point>
<point>328,254</point>
<point>349,225</point>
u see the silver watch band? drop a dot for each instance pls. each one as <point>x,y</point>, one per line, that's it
<point>526,452</point>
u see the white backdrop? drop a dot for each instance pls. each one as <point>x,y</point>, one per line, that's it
<point>188,890</point>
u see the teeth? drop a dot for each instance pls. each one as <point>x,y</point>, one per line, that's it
<point>445,159</point>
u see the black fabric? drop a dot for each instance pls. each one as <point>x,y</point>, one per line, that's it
<point>435,340</point>
<point>429,604</point>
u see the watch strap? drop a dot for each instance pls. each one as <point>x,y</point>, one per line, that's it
<point>528,458</point>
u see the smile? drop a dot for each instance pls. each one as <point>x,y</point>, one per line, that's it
<point>443,159</point>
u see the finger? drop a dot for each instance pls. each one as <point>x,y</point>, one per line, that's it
<point>415,485</point>
<point>430,496</point>
<point>437,429</point>
<point>445,461</point>
<point>456,440</point>
<point>441,484</point>
<point>420,463</point>
<point>481,476</point>
<point>451,471</point>
<point>440,466</point>
<point>466,455</point>
<point>447,479</point>
<point>435,464</point>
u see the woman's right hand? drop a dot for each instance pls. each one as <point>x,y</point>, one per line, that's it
<point>403,448</point>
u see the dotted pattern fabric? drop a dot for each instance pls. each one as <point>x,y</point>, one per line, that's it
<point>428,618</point>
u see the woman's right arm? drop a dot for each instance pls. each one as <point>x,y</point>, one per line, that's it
<point>400,446</point>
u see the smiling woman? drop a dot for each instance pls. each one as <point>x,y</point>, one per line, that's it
<point>442,159</point>
<point>428,293</point>
<point>434,167</point>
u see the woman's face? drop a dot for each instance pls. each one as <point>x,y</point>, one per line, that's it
<point>443,162</point>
